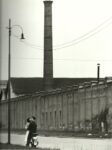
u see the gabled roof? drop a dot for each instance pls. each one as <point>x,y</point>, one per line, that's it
<point>26,85</point>
<point>63,82</point>
<point>32,85</point>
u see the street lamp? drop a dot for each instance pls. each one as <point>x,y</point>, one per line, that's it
<point>9,74</point>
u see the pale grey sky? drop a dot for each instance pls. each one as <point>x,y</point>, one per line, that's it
<point>82,37</point>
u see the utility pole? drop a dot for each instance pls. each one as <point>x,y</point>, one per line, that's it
<point>98,72</point>
<point>9,76</point>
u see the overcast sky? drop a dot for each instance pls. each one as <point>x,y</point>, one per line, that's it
<point>82,37</point>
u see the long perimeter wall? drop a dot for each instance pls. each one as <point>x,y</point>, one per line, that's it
<point>71,108</point>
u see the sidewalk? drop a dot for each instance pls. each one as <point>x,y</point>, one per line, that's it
<point>11,146</point>
<point>62,143</point>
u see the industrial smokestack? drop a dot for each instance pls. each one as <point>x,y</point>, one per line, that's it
<point>48,50</point>
<point>98,72</point>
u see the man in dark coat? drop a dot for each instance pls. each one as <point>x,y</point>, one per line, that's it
<point>32,129</point>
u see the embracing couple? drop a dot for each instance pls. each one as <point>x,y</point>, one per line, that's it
<point>31,132</point>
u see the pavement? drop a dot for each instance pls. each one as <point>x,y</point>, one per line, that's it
<point>62,143</point>
<point>10,146</point>
<point>15,147</point>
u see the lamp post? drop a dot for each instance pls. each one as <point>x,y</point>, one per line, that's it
<point>9,76</point>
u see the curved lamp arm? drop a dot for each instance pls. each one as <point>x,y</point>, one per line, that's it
<point>22,35</point>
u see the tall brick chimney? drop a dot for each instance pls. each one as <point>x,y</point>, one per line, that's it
<point>48,50</point>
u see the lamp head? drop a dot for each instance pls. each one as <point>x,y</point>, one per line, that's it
<point>22,36</point>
